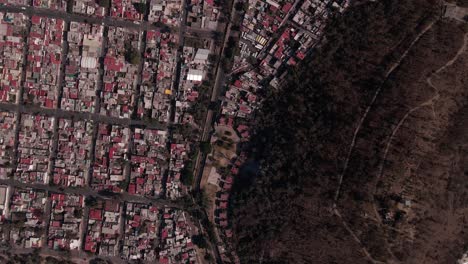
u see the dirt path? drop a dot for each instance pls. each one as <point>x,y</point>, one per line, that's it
<point>374,98</point>
<point>454,59</point>
<point>345,225</point>
<point>429,102</point>
<point>353,142</point>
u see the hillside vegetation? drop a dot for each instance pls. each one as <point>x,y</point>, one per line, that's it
<point>401,66</point>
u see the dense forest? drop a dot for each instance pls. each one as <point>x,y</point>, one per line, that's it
<point>388,55</point>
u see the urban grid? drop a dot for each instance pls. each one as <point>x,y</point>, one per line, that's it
<point>114,111</point>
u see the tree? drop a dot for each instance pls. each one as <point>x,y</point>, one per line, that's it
<point>163,27</point>
<point>149,120</point>
<point>98,261</point>
<point>90,201</point>
<point>235,27</point>
<point>214,106</point>
<point>52,260</point>
<point>123,185</point>
<point>208,257</point>
<point>132,56</point>
<point>252,60</point>
<point>31,98</point>
<point>240,6</point>
<point>140,8</point>
<point>205,147</point>
<point>216,35</point>
<point>78,213</point>
<point>200,241</point>
<point>107,192</point>
<point>212,58</point>
<point>104,3</point>
<point>187,177</point>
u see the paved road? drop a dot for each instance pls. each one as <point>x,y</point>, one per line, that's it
<point>175,88</point>
<point>272,41</point>
<point>219,82</point>
<point>207,127</point>
<point>59,113</point>
<point>47,211</point>
<point>106,21</point>
<point>61,80</point>
<point>87,191</point>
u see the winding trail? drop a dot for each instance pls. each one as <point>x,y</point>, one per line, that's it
<point>429,102</point>
<point>364,249</point>
<point>353,143</point>
<point>374,98</point>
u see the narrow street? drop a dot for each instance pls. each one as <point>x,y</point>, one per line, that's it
<point>106,21</point>
<point>87,191</point>
<point>59,113</point>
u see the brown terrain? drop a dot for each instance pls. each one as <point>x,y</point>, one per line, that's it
<point>410,157</point>
<point>366,160</point>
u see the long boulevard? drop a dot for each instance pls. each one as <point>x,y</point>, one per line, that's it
<point>105,21</point>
